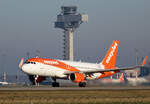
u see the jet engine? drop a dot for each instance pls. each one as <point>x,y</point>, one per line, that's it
<point>77,77</point>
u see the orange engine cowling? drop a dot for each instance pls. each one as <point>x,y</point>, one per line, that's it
<point>77,77</point>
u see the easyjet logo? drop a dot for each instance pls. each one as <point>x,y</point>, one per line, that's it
<point>51,62</point>
<point>111,53</point>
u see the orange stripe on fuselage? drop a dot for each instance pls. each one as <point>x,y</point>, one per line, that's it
<point>54,63</point>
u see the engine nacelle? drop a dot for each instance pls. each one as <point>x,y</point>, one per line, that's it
<point>77,77</point>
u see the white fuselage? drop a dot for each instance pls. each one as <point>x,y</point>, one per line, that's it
<point>4,83</point>
<point>52,71</point>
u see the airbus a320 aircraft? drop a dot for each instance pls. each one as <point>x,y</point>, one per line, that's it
<point>77,72</point>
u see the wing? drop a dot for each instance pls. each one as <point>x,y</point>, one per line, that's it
<point>103,70</point>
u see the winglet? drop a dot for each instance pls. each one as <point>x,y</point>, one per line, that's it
<point>110,59</point>
<point>144,61</point>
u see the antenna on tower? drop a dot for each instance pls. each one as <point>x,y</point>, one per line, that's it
<point>69,20</point>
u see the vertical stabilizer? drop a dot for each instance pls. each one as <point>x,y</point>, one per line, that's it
<point>144,61</point>
<point>110,59</point>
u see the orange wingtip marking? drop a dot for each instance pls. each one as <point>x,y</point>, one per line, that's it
<point>54,63</point>
<point>144,61</point>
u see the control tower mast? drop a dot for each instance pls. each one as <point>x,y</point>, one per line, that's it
<point>69,20</point>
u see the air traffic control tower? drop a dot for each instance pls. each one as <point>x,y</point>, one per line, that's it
<point>69,20</point>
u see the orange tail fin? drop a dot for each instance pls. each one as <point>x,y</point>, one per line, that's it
<point>144,61</point>
<point>110,59</point>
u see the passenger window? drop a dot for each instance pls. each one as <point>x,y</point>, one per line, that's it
<point>30,62</point>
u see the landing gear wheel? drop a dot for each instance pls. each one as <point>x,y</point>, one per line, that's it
<point>55,84</point>
<point>82,84</point>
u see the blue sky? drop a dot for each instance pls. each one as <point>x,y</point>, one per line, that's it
<point>27,26</point>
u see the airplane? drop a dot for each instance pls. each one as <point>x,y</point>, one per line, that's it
<point>4,83</point>
<point>123,79</point>
<point>138,80</point>
<point>77,72</point>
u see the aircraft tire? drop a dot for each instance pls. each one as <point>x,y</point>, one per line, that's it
<point>55,84</point>
<point>82,84</point>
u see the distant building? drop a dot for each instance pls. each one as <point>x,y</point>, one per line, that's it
<point>142,72</point>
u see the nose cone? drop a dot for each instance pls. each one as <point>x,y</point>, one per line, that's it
<point>26,68</point>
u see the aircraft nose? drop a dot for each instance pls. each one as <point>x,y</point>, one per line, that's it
<point>26,68</point>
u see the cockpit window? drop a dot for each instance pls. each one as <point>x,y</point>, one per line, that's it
<point>27,62</point>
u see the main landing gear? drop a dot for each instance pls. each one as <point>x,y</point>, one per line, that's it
<point>55,84</point>
<point>82,84</point>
